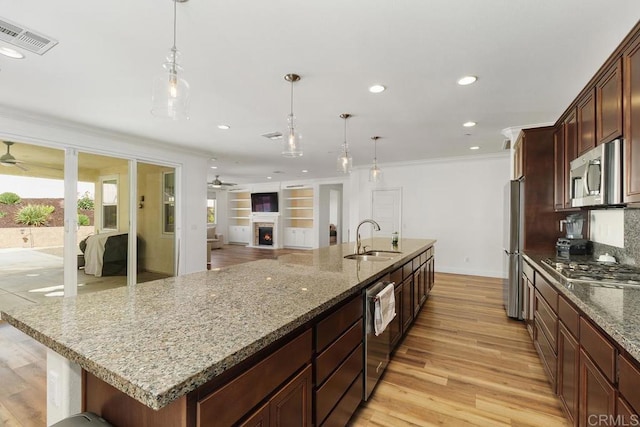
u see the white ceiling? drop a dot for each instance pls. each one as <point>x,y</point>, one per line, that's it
<point>531,57</point>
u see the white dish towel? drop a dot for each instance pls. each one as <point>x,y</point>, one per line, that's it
<point>384,308</point>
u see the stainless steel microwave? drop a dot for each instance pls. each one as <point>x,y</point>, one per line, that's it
<point>596,176</point>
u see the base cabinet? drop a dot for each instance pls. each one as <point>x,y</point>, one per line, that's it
<point>597,395</point>
<point>568,372</point>
<point>291,406</point>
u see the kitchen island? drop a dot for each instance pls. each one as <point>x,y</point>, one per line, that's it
<point>160,350</point>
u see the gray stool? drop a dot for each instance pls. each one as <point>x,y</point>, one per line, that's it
<point>88,419</point>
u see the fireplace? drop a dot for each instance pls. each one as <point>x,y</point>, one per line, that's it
<point>265,236</point>
<point>265,230</point>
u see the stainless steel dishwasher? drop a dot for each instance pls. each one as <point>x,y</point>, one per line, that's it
<point>376,348</point>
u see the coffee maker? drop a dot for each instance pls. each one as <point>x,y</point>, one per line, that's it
<point>573,243</point>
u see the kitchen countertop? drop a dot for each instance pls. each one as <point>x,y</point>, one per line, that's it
<point>616,309</point>
<point>159,340</point>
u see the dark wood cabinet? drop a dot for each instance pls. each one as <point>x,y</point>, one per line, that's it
<point>417,292</point>
<point>609,104</point>
<point>518,160</point>
<point>587,122</point>
<point>631,96</point>
<point>568,372</point>
<point>407,303</point>
<point>291,406</point>
<point>559,164</point>
<point>570,126</point>
<point>529,297</point>
<point>540,226</point>
<point>597,395</point>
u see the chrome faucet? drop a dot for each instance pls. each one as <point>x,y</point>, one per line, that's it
<point>376,227</point>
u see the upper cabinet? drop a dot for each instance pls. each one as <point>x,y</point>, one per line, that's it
<point>609,104</point>
<point>631,155</point>
<point>587,122</point>
<point>559,167</point>
<point>518,160</point>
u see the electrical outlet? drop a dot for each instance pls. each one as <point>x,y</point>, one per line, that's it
<point>53,389</point>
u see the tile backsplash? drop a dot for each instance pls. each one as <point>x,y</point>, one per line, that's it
<point>629,223</point>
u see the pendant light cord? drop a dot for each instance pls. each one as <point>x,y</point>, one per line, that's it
<point>291,97</point>
<point>175,3</point>
<point>345,136</point>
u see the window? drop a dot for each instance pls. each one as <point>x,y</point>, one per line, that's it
<point>169,202</point>
<point>109,205</point>
<point>211,211</point>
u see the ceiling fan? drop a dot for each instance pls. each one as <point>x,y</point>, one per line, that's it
<point>9,159</point>
<point>216,183</point>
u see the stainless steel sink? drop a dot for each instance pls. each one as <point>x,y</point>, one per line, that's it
<point>368,257</point>
<point>376,252</point>
<point>374,255</point>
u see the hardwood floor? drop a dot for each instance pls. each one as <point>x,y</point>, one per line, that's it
<point>462,363</point>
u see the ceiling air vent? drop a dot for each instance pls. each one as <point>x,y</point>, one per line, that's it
<point>20,36</point>
<point>273,135</point>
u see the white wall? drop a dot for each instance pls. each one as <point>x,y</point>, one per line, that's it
<point>457,201</point>
<point>191,168</point>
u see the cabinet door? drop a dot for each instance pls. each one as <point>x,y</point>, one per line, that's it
<point>568,372</point>
<point>432,273</point>
<point>631,153</point>
<point>626,416</point>
<point>528,303</point>
<point>260,418</point>
<point>570,152</point>
<point>291,406</point>
<point>559,164</point>
<point>587,122</point>
<point>407,303</point>
<point>597,395</point>
<point>424,290</point>
<point>417,294</point>
<point>289,236</point>
<point>609,104</point>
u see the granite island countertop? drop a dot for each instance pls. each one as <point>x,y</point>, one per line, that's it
<point>157,341</point>
<point>616,309</point>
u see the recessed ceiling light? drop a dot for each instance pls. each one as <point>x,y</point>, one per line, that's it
<point>214,167</point>
<point>469,124</point>
<point>268,177</point>
<point>11,53</point>
<point>475,147</point>
<point>224,127</point>
<point>304,171</point>
<point>376,88</point>
<point>467,80</point>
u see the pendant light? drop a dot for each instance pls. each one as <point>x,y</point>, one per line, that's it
<point>170,97</point>
<point>345,161</point>
<point>292,146</point>
<point>375,174</point>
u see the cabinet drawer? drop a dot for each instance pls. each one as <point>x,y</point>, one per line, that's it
<point>629,382</point>
<point>546,353</point>
<point>599,349</point>
<point>396,276</point>
<point>548,292</point>
<point>347,406</point>
<point>547,320</point>
<point>338,383</point>
<point>330,359</point>
<point>527,270</point>
<point>232,401</point>
<point>333,326</point>
<point>569,316</point>
<point>407,270</point>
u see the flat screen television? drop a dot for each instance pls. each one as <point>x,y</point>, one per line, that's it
<point>264,202</point>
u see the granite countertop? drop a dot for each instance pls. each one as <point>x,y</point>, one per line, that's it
<point>159,340</point>
<point>616,309</point>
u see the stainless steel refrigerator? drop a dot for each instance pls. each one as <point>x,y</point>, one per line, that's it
<point>513,236</point>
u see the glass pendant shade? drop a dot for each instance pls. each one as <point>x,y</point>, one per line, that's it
<point>170,91</point>
<point>345,161</point>
<point>292,146</point>
<point>375,174</point>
